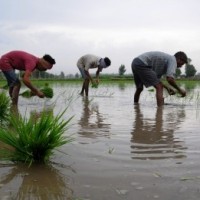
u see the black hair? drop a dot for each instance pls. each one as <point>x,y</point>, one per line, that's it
<point>107,61</point>
<point>181,55</point>
<point>49,59</point>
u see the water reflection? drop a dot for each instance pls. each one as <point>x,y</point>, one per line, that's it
<point>153,138</point>
<point>42,182</point>
<point>122,86</point>
<point>92,122</point>
<point>36,114</point>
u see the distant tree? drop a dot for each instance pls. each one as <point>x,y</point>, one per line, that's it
<point>69,76</point>
<point>122,70</point>
<point>36,74</point>
<point>42,74</point>
<point>190,70</point>
<point>178,72</point>
<point>62,75</point>
<point>77,75</point>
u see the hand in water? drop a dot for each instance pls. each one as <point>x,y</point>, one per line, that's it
<point>171,91</point>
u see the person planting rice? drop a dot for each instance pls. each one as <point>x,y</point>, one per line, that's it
<point>148,69</point>
<point>23,61</point>
<point>87,62</point>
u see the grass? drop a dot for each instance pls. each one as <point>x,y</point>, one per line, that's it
<point>31,141</point>
<point>4,108</point>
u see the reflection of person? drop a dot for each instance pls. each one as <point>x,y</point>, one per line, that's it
<point>91,121</point>
<point>23,61</point>
<point>148,69</point>
<point>153,138</point>
<point>38,182</point>
<point>87,62</point>
<point>37,114</point>
<point>121,86</point>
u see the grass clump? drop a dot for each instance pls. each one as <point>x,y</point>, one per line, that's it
<point>29,142</point>
<point>4,107</point>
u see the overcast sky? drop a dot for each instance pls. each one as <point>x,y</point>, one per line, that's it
<point>118,29</point>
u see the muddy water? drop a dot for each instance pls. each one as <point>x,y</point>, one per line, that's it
<point>120,150</point>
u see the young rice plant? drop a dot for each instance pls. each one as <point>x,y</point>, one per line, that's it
<point>30,141</point>
<point>4,108</point>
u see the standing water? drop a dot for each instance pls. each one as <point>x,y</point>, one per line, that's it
<point>120,150</point>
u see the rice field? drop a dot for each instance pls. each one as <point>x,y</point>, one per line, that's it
<point>119,150</point>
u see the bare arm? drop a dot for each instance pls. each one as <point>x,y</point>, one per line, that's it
<point>169,89</point>
<point>97,74</point>
<point>172,82</point>
<point>27,82</point>
<point>88,75</point>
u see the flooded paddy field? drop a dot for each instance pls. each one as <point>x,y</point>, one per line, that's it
<point>120,150</point>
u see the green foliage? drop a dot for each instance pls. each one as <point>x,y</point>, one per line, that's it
<point>26,94</point>
<point>47,91</point>
<point>4,107</point>
<point>178,72</point>
<point>190,70</point>
<point>122,70</point>
<point>33,141</point>
<point>95,85</point>
<point>151,90</point>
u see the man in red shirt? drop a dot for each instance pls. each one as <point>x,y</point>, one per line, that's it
<point>23,61</point>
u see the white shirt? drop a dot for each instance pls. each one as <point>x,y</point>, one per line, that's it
<point>88,61</point>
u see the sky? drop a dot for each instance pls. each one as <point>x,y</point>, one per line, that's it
<point>118,29</point>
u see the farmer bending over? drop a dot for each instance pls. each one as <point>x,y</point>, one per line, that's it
<point>23,61</point>
<point>148,69</point>
<point>87,62</point>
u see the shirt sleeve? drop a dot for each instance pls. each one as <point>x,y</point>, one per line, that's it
<point>171,69</point>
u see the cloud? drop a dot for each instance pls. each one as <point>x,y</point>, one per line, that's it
<point>119,30</point>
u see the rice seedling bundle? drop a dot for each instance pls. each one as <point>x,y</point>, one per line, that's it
<point>26,93</point>
<point>33,142</point>
<point>95,85</point>
<point>47,91</point>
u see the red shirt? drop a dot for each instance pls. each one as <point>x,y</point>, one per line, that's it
<point>18,60</point>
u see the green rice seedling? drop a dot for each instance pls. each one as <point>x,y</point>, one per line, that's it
<point>5,87</point>
<point>4,107</point>
<point>95,85</point>
<point>151,90</point>
<point>26,94</point>
<point>34,141</point>
<point>47,91</point>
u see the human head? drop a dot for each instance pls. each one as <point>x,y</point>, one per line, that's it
<point>107,61</point>
<point>104,62</point>
<point>49,59</point>
<point>46,62</point>
<point>181,58</point>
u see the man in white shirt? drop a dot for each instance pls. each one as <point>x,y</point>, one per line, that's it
<point>87,62</point>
